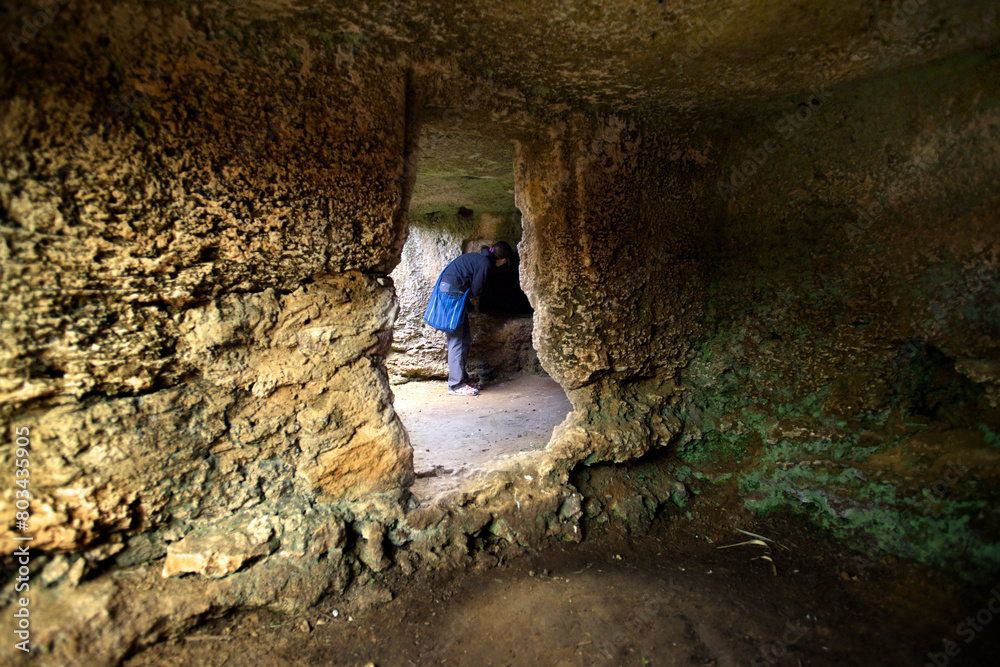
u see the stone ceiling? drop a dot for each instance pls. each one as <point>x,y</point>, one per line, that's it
<point>667,61</point>
<point>666,56</point>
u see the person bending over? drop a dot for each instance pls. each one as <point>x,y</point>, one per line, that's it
<point>467,272</point>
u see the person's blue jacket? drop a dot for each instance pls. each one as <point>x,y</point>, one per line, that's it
<point>468,271</point>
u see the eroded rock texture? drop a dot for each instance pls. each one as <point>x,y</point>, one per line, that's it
<point>196,308</point>
<point>599,200</point>
<point>855,317</point>
<point>419,349</point>
<point>193,303</point>
<point>772,258</point>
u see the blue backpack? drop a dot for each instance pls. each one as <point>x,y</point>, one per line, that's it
<point>445,311</point>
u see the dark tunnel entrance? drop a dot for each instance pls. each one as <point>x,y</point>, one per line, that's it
<point>503,294</point>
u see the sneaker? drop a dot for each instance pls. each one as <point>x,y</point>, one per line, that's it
<point>464,390</point>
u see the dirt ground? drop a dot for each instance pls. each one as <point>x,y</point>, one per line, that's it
<point>453,437</point>
<point>672,597</point>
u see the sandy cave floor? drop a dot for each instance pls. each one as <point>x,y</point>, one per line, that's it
<point>671,597</point>
<point>454,437</point>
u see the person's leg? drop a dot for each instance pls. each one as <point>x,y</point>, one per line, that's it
<point>466,344</point>
<point>458,352</point>
<point>456,359</point>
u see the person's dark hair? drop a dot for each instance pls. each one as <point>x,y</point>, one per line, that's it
<point>501,250</point>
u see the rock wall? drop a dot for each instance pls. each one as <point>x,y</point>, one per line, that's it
<point>612,264</point>
<point>198,213</point>
<point>199,208</point>
<point>417,349</point>
<point>290,399</point>
<point>807,302</point>
<point>183,248</point>
<point>848,369</point>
